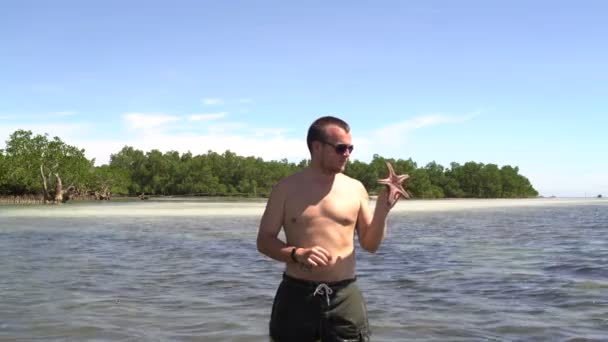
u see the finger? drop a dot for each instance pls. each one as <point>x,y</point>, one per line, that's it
<point>310,262</point>
<point>322,251</point>
<point>318,260</point>
<point>396,197</point>
<point>395,200</point>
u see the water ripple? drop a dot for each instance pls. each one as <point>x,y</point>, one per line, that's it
<point>470,275</point>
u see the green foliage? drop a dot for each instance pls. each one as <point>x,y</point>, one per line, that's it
<point>132,172</point>
<point>3,171</point>
<point>473,180</point>
<point>27,156</point>
<point>156,173</point>
<point>108,178</point>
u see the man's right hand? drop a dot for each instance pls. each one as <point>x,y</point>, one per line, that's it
<point>314,256</point>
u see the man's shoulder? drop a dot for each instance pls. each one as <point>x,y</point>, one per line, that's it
<point>349,179</point>
<point>290,180</point>
<point>351,182</point>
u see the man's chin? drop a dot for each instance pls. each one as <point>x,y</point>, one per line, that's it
<point>335,169</point>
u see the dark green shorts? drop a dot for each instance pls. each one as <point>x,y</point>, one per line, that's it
<point>305,311</point>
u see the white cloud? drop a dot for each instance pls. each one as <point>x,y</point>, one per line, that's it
<point>101,149</point>
<point>391,136</point>
<point>60,130</point>
<point>561,184</point>
<point>166,132</point>
<point>148,121</point>
<point>390,139</point>
<point>207,116</point>
<point>161,131</point>
<point>268,148</point>
<point>241,138</point>
<point>397,132</point>
<point>71,134</point>
<point>244,100</point>
<point>212,101</point>
<point>273,148</point>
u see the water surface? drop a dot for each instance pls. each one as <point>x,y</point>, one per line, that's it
<point>189,271</point>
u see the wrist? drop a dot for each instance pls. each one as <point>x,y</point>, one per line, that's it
<point>294,256</point>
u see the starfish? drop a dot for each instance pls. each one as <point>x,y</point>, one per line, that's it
<point>393,183</point>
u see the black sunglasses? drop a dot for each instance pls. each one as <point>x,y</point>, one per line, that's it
<point>340,148</point>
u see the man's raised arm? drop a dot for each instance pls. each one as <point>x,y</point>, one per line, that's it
<point>372,229</point>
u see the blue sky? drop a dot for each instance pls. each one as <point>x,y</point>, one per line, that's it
<point>521,83</point>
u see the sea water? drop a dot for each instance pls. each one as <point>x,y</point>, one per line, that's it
<point>188,270</point>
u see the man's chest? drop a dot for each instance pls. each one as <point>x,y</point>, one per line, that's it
<point>306,209</point>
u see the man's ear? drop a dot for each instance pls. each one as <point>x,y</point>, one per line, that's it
<point>316,145</point>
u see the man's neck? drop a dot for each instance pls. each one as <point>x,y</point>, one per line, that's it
<point>321,175</point>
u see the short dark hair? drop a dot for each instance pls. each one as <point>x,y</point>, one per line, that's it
<point>316,132</point>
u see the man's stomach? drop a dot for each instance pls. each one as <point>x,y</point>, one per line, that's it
<point>342,266</point>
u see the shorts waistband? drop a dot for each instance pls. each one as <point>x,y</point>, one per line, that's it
<point>314,284</point>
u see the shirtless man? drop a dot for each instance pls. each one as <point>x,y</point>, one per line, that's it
<point>320,209</point>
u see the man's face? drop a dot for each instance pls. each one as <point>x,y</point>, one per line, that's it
<point>336,150</point>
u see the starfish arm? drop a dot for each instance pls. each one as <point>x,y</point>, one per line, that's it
<point>391,171</point>
<point>393,183</point>
<point>403,193</point>
<point>402,178</point>
<point>385,181</point>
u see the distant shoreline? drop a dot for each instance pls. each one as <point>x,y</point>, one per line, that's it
<point>488,203</point>
<point>38,200</point>
<point>220,207</point>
